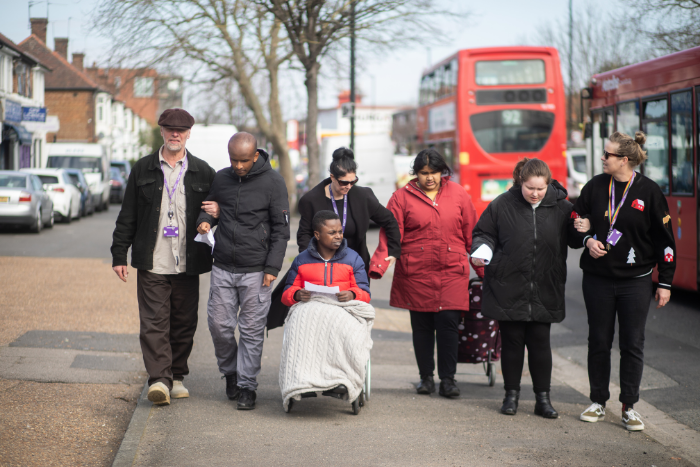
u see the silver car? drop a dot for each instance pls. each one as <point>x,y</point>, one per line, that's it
<point>24,202</point>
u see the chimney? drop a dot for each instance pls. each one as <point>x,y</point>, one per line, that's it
<point>61,46</point>
<point>78,61</point>
<point>39,26</point>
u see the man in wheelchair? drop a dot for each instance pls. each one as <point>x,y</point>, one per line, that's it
<point>327,334</point>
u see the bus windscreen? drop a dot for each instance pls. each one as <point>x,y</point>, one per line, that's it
<point>512,130</point>
<point>86,164</point>
<point>500,72</point>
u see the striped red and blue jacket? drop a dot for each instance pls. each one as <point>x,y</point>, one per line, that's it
<point>345,270</point>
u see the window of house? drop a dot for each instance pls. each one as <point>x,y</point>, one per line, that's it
<point>143,87</point>
<point>117,81</point>
<point>682,142</point>
<point>655,125</point>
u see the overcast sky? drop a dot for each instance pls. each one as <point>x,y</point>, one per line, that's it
<point>385,80</point>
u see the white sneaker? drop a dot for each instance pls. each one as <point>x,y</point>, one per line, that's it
<point>632,420</point>
<point>594,413</point>
<point>179,391</point>
<point>158,394</point>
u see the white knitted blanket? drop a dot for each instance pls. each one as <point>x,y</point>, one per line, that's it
<point>326,343</point>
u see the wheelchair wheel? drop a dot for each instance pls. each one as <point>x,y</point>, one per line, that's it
<point>368,379</point>
<point>289,406</point>
<point>358,403</point>
<point>492,374</point>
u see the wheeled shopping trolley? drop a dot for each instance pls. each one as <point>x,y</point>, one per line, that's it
<point>479,337</point>
<point>358,403</point>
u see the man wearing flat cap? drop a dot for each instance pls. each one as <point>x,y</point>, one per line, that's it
<point>164,195</point>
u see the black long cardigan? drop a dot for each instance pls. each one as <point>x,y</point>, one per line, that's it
<point>364,207</point>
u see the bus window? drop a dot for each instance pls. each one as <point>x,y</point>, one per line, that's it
<point>512,130</point>
<point>655,125</point>
<point>495,73</point>
<point>628,118</point>
<point>682,142</point>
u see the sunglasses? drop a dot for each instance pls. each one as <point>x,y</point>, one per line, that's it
<point>607,154</point>
<point>347,182</point>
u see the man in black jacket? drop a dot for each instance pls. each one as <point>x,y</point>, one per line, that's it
<point>250,243</point>
<point>157,220</point>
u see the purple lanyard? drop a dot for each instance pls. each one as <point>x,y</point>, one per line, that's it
<point>167,190</point>
<point>335,208</point>
<point>611,206</point>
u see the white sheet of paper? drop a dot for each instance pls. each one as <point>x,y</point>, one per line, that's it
<point>208,239</point>
<point>321,288</point>
<point>483,253</point>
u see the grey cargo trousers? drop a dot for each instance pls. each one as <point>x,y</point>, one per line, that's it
<point>230,292</point>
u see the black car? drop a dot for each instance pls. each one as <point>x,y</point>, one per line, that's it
<point>87,208</point>
<point>118,184</point>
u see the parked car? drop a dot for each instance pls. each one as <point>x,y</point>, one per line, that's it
<point>65,195</point>
<point>92,159</point>
<point>576,165</point>
<point>123,166</point>
<point>24,202</point>
<point>118,184</point>
<point>78,179</point>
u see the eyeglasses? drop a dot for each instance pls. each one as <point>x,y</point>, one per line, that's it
<point>607,154</point>
<point>347,182</point>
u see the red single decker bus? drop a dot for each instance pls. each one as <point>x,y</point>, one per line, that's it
<point>485,109</point>
<point>660,97</point>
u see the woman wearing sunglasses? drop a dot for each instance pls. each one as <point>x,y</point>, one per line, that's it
<point>630,235</point>
<point>436,217</point>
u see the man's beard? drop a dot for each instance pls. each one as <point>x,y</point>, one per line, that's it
<point>174,147</point>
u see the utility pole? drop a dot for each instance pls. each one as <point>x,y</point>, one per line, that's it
<point>352,75</point>
<point>569,118</point>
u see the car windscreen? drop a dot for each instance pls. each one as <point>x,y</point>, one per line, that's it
<point>48,179</point>
<point>114,172</point>
<point>86,164</point>
<point>512,130</point>
<point>500,72</point>
<point>13,181</point>
<point>579,163</point>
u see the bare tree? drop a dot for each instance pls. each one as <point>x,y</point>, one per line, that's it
<point>672,25</point>
<point>315,27</point>
<point>214,40</point>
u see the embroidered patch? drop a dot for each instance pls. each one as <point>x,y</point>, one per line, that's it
<point>630,256</point>
<point>638,204</point>
<point>668,254</point>
<point>606,214</point>
<point>667,219</point>
<point>574,215</point>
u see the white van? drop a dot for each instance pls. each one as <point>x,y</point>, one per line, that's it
<point>92,159</point>
<point>576,169</point>
<point>374,155</point>
<point>210,143</point>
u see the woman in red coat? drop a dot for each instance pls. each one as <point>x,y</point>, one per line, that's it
<point>431,279</point>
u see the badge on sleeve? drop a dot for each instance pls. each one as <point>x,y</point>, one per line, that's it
<point>638,204</point>
<point>668,254</point>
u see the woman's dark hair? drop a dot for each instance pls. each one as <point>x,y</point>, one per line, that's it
<point>432,159</point>
<point>343,162</point>
<point>320,219</point>
<point>526,168</point>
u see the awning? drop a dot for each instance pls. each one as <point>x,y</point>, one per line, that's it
<point>24,136</point>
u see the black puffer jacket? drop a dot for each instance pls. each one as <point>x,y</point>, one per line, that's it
<point>525,279</point>
<point>254,221</point>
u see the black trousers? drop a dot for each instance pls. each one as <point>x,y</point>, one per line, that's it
<point>168,313</point>
<point>429,327</point>
<point>628,300</point>
<point>515,336</point>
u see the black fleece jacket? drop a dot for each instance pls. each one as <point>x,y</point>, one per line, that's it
<point>253,225</point>
<point>647,239</point>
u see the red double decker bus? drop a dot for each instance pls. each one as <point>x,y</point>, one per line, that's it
<point>485,109</point>
<point>661,97</point>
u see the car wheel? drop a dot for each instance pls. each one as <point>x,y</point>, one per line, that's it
<point>106,206</point>
<point>36,228</point>
<point>50,223</point>
<point>69,218</point>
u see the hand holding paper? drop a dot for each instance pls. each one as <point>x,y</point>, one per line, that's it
<point>208,238</point>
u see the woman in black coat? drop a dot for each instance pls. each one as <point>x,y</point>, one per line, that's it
<point>522,239</point>
<point>355,205</point>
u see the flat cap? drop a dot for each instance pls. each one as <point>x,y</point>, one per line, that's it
<point>176,118</point>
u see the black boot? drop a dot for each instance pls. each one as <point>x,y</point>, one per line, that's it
<point>448,388</point>
<point>543,406</point>
<point>426,385</point>
<point>338,392</point>
<point>247,399</point>
<point>232,389</point>
<point>510,402</point>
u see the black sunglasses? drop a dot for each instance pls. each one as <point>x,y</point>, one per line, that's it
<point>347,182</point>
<point>608,154</point>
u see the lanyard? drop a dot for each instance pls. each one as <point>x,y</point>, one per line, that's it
<point>611,199</point>
<point>335,208</point>
<point>168,191</point>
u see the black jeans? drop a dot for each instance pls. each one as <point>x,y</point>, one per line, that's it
<point>629,300</point>
<point>429,327</point>
<point>515,336</point>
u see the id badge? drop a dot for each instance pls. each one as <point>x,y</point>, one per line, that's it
<point>170,231</point>
<point>614,237</point>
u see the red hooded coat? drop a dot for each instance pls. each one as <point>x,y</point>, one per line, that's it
<point>432,273</point>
